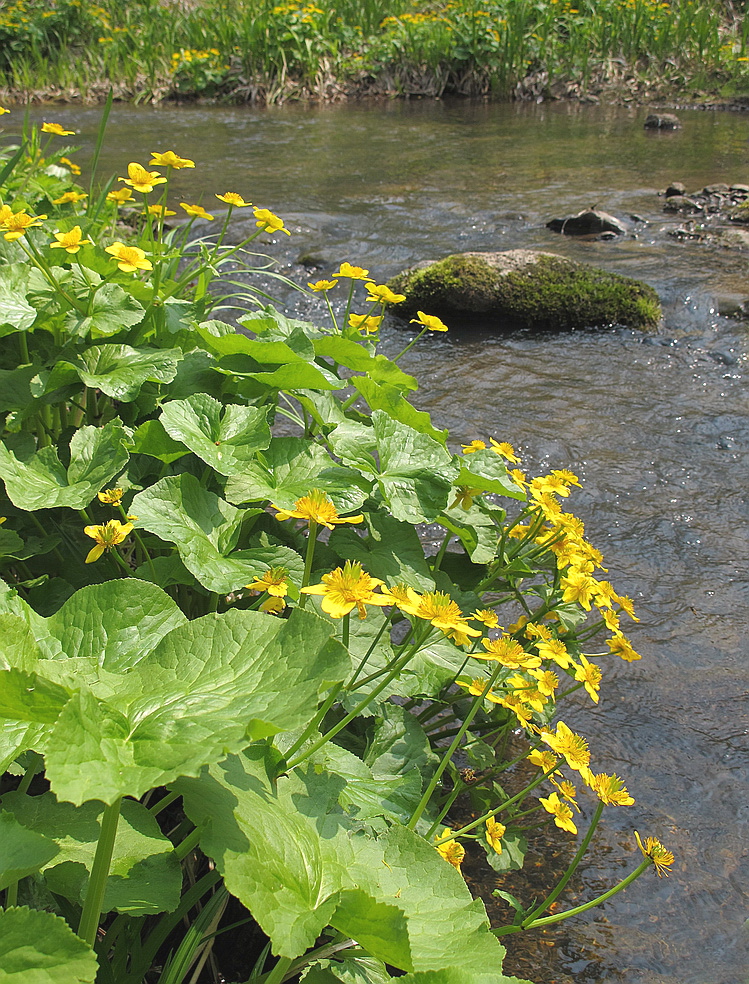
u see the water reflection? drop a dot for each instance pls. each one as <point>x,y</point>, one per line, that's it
<point>657,428</point>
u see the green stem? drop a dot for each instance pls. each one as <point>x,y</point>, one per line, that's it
<point>308,560</point>
<point>369,652</point>
<point>315,722</point>
<point>410,344</point>
<point>441,552</point>
<point>451,750</point>
<point>163,803</point>
<point>23,342</point>
<point>97,882</point>
<point>556,892</point>
<point>559,916</point>
<point>277,975</point>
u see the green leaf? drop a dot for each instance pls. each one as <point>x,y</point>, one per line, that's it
<point>512,858</point>
<point>151,439</point>
<point>291,468</point>
<point>208,687</point>
<point>391,400</point>
<point>486,470</point>
<point>30,697</point>
<point>113,310</point>
<point>379,927</point>
<point>16,314</point>
<point>227,438</point>
<point>41,481</point>
<point>353,355</point>
<point>15,391</point>
<point>391,551</point>
<point>416,472</point>
<point>398,744</point>
<point>204,527</point>
<point>39,948</point>
<point>145,876</point>
<point>347,968</point>
<point>24,851</point>
<point>120,370</point>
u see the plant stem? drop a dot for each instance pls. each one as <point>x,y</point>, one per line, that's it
<point>308,560</point>
<point>278,973</point>
<point>451,750</point>
<point>97,882</point>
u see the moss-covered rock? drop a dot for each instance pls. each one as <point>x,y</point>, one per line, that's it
<point>525,289</point>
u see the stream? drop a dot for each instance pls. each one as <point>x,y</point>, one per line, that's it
<point>656,426</point>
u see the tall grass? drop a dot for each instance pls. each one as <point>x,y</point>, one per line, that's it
<point>150,49</point>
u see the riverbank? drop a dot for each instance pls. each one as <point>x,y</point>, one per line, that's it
<point>257,51</point>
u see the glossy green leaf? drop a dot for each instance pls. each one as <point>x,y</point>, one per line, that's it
<point>16,314</point>
<point>41,481</point>
<point>151,439</point>
<point>56,956</point>
<point>23,851</point>
<point>15,390</point>
<point>227,438</point>
<point>204,528</point>
<point>113,309</point>
<point>347,968</point>
<point>392,550</point>
<point>486,470</point>
<point>391,400</point>
<point>120,370</point>
<point>145,875</point>
<point>351,354</point>
<point>291,468</point>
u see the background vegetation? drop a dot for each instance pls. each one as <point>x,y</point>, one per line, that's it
<point>263,50</point>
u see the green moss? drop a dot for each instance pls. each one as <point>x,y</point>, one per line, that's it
<point>550,293</point>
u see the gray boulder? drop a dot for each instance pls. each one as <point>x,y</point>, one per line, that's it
<point>589,222</point>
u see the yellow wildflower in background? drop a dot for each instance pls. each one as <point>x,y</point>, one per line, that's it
<point>74,169</point>
<point>160,210</point>
<point>70,241</point>
<point>120,196</point>
<point>346,588</point>
<point>110,497</point>
<point>508,652</point>
<point>505,450</point>
<point>269,222</point>
<point>561,812</point>
<point>233,199</point>
<point>368,323</point>
<point>273,606</point>
<point>473,447</point>
<point>196,211</point>
<point>169,159</point>
<point>107,536</point>
<point>464,496</point>
<point>443,613</point>
<point>450,850</point>
<point>486,615</point>
<point>129,258</point>
<point>618,644</point>
<point>141,179</point>
<point>322,285</point>
<point>430,321</point>
<point>18,223</point>
<point>590,676</point>
<point>3,110</point>
<point>495,831</point>
<point>316,507</point>
<point>70,196</point>
<point>656,853</point>
<point>572,746</point>
<point>381,294</point>
<point>352,272</point>
<point>275,581</point>
<point>57,129</point>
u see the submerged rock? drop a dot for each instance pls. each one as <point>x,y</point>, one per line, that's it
<point>589,222</point>
<point>662,121</point>
<point>525,289</point>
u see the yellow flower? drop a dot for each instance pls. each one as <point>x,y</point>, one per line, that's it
<point>611,790</point>
<point>450,850</point>
<point>142,180</point>
<point>567,790</point>
<point>590,676</point>
<point>555,650</point>
<point>169,159</point>
<point>3,110</point>
<point>273,606</point>
<point>543,759</point>
<point>381,294</point>
<point>322,285</point>
<point>352,272</point>
<point>505,450</point>
<point>656,853</point>
<point>508,652</point>
<point>111,497</point>
<point>560,811</point>
<point>443,613</point>
<point>546,681</point>
<point>107,536</point>
<point>275,581</point>
<point>316,507</point>
<point>573,747</point>
<point>464,496</point>
<point>70,241</point>
<point>473,447</point>
<point>346,588</point>
<point>430,321</point>
<point>68,163</point>
<point>232,198</point>
<point>618,644</point>
<point>56,128</point>
<point>121,195</point>
<point>70,196</point>
<point>365,322</point>
<point>18,223</point>
<point>495,831</point>
<point>160,210</point>
<point>196,211</point>
<point>129,258</point>
<point>487,616</point>
<point>580,588</point>
<point>269,222</point>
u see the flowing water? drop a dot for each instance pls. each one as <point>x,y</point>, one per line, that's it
<point>656,426</point>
